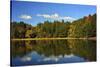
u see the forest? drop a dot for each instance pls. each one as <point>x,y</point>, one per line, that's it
<point>82,28</point>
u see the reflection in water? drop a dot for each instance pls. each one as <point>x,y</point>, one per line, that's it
<point>52,51</point>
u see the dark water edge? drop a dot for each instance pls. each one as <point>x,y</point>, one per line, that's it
<point>69,51</point>
<point>14,65</point>
<point>52,63</point>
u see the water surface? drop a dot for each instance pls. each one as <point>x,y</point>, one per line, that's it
<point>38,52</point>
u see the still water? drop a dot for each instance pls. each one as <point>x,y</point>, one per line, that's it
<point>38,52</point>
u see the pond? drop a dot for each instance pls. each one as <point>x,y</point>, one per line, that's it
<point>39,52</point>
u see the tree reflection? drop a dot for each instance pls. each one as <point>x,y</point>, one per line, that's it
<point>81,48</point>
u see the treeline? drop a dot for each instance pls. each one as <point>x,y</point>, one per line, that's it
<point>84,27</point>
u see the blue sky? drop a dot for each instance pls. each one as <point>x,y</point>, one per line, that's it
<point>36,12</point>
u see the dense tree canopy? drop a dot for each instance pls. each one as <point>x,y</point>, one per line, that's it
<point>84,27</point>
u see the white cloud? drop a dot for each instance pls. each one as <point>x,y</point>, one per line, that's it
<point>56,17</point>
<point>26,17</point>
<point>53,16</point>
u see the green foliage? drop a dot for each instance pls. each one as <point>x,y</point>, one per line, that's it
<point>84,27</point>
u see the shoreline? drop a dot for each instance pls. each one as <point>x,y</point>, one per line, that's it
<point>17,39</point>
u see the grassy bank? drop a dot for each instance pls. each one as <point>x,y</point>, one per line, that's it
<point>92,38</point>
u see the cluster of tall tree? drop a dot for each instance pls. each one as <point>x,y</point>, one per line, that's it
<point>84,27</point>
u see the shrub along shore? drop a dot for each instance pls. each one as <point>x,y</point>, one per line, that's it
<point>92,38</point>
